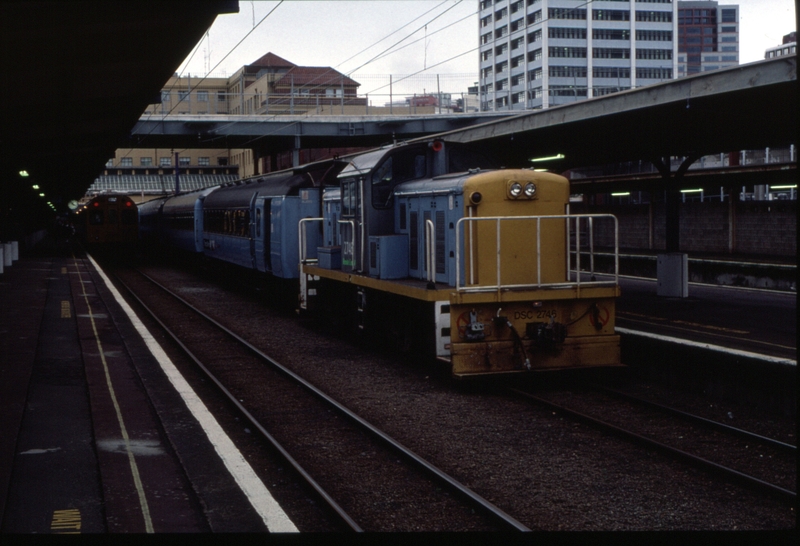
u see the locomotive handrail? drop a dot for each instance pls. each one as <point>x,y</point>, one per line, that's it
<point>302,238</point>
<point>430,250</point>
<point>470,286</point>
<point>352,238</point>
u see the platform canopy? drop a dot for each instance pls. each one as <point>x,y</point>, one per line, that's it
<point>76,76</point>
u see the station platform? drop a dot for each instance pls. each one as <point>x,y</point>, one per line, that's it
<point>94,438</point>
<point>89,442</point>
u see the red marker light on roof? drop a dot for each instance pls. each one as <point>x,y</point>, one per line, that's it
<point>437,145</point>
<point>96,204</point>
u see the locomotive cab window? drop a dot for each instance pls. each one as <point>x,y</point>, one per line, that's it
<point>391,173</point>
<point>349,196</point>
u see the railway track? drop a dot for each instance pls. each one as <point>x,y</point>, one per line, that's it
<point>368,480</point>
<point>755,461</point>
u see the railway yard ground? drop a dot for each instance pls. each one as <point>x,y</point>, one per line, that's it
<point>109,427</point>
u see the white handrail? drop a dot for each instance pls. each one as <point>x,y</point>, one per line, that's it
<point>302,240</point>
<point>430,250</point>
<point>538,284</point>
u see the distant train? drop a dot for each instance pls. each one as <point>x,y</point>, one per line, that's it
<point>421,246</point>
<point>108,218</point>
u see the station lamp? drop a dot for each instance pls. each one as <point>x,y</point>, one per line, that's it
<point>548,158</point>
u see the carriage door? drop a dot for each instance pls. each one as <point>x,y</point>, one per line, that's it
<point>261,237</point>
<point>351,223</point>
<point>252,229</point>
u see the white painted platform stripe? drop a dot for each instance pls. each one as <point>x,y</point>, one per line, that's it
<point>709,346</point>
<point>257,493</point>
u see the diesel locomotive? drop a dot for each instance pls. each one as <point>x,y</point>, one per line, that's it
<point>422,246</point>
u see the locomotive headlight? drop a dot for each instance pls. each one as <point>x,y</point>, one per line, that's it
<point>515,190</point>
<point>475,197</point>
<point>530,190</point>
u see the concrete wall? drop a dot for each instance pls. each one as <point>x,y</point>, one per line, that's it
<point>767,228</point>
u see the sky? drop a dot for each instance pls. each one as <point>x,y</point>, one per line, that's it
<point>440,36</point>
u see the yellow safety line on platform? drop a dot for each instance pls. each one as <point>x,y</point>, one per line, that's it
<point>148,522</point>
<point>755,341</point>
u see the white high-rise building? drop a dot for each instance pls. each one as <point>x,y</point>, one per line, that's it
<point>541,53</point>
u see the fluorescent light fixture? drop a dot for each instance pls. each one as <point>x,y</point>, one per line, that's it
<point>692,191</point>
<point>549,158</point>
<point>35,186</point>
<point>24,174</point>
<point>620,194</point>
<point>41,195</point>
<point>791,187</point>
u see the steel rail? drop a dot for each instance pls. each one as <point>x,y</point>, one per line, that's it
<point>779,492</point>
<point>253,421</point>
<point>482,503</point>
<point>772,442</point>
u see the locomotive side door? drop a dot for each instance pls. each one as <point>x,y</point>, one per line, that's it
<point>351,225</point>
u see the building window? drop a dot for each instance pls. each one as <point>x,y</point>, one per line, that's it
<point>486,55</point>
<point>534,75</point>
<point>654,73</point>
<point>610,15</point>
<point>567,91</point>
<point>110,163</point>
<point>165,161</point>
<point>535,55</point>
<point>654,35</point>
<point>500,32</point>
<point>184,161</point>
<point>567,71</point>
<point>654,16</point>
<point>516,80</point>
<point>728,15</point>
<point>611,53</point>
<point>535,36</point>
<point>568,33</point>
<point>501,67</point>
<point>486,38</point>
<point>566,13</point>
<point>202,96</point>
<point>610,34</point>
<point>517,61</point>
<point>571,52</point>
<point>517,42</point>
<point>203,161</point>
<point>535,93</point>
<point>611,72</point>
<point>534,17</point>
<point>145,161</point>
<point>486,72</point>
<point>183,95</point>
<point>126,162</point>
<point>654,54</point>
<point>165,97</point>
<point>501,49</point>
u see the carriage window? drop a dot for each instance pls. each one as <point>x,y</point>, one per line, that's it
<point>96,218</point>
